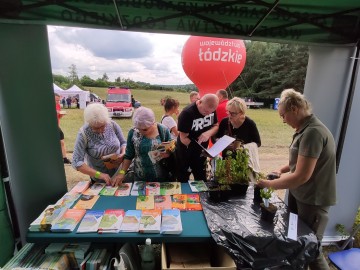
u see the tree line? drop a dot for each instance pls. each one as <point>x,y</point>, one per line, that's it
<point>269,68</point>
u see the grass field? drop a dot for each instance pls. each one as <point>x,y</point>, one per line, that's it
<point>274,134</point>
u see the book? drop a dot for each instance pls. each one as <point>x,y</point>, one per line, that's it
<point>178,201</point>
<point>80,187</point>
<point>91,221</point>
<point>94,189</point>
<point>217,147</point>
<point>108,191</point>
<point>138,188</point>
<point>193,202</point>
<point>145,202</point>
<point>197,186</point>
<point>55,261</point>
<point>150,221</point>
<point>170,188</point>
<point>111,221</point>
<point>171,222</point>
<point>111,161</point>
<point>82,265</point>
<point>123,189</point>
<point>131,221</point>
<point>86,201</point>
<point>68,221</point>
<point>68,199</point>
<point>156,154</point>
<point>152,188</point>
<point>162,201</point>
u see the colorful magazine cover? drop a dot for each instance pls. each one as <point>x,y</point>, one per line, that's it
<point>86,201</point>
<point>170,188</point>
<point>145,202</point>
<point>162,202</point>
<point>94,189</point>
<point>152,188</point>
<point>138,188</point>
<point>193,202</point>
<point>123,189</point>
<point>178,201</point>
<point>80,187</point>
<point>198,186</point>
<point>108,191</point>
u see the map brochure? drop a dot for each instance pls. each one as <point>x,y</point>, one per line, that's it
<point>150,221</point>
<point>68,199</point>
<point>111,221</point>
<point>90,222</point>
<point>171,222</point>
<point>68,221</point>
<point>131,221</point>
<point>123,189</point>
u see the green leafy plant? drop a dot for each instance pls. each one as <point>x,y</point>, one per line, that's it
<point>266,193</point>
<point>234,169</point>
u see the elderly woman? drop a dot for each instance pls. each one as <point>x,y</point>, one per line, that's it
<point>310,175</point>
<point>238,125</point>
<point>99,137</point>
<point>144,137</point>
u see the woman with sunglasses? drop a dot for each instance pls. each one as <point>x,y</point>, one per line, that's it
<point>238,125</point>
<point>146,136</point>
<point>99,137</point>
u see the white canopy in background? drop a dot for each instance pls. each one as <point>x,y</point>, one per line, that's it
<point>57,88</point>
<point>74,90</point>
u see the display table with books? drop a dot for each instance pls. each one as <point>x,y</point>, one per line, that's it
<point>194,226</point>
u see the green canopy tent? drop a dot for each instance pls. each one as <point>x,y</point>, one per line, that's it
<point>28,124</point>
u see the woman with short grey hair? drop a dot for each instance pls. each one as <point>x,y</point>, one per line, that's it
<point>146,136</point>
<point>99,137</point>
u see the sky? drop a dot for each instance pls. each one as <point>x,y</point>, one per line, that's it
<point>145,57</point>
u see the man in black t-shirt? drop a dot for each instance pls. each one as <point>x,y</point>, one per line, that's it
<point>198,121</point>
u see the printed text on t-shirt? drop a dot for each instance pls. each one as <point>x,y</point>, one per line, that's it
<point>202,123</point>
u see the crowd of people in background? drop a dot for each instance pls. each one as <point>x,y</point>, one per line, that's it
<point>67,102</point>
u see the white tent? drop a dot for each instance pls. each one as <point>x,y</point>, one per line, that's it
<point>84,96</point>
<point>57,88</point>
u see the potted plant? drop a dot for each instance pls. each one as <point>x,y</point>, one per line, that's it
<point>268,210</point>
<point>234,171</point>
<point>270,176</point>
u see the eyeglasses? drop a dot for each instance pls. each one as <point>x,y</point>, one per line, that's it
<point>232,113</point>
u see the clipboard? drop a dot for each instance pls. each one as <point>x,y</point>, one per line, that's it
<point>218,147</point>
